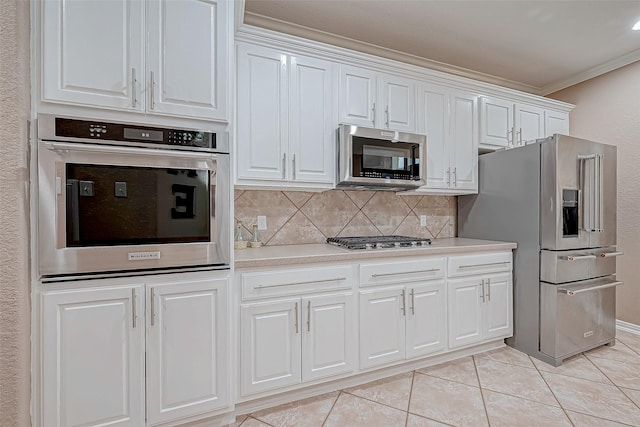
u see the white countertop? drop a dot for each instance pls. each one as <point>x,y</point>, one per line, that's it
<point>322,252</point>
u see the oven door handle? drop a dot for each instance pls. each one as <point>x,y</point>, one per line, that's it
<point>593,288</point>
<point>63,147</point>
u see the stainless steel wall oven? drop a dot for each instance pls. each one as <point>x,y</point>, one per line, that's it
<point>121,197</point>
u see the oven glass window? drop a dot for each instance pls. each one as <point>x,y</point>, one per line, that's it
<point>119,205</point>
<point>376,158</point>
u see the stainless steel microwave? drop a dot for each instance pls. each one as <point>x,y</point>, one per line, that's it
<point>378,159</point>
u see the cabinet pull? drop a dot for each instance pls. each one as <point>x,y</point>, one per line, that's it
<point>153,306</point>
<point>284,165</point>
<point>133,88</point>
<point>308,316</point>
<point>482,286</point>
<point>520,142</point>
<point>153,90</point>
<point>404,307</point>
<point>509,132</point>
<point>373,114</point>
<point>484,265</point>
<point>296,310</point>
<point>448,176</point>
<point>455,176</point>
<point>413,302</point>
<point>405,272</point>
<point>577,257</point>
<point>293,166</point>
<point>133,307</point>
<point>335,279</point>
<point>489,290</point>
<point>610,254</point>
<point>386,114</point>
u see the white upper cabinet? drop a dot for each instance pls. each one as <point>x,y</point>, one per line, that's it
<point>379,100</point>
<point>506,124</point>
<point>93,52</point>
<point>187,58</point>
<point>137,56</point>
<point>286,119</point>
<point>449,119</point>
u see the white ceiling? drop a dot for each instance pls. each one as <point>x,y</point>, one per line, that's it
<point>537,46</point>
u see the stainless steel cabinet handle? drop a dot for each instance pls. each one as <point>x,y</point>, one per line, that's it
<point>593,288</point>
<point>373,114</point>
<point>284,165</point>
<point>335,279</point>
<point>484,265</point>
<point>405,272</point>
<point>520,137</point>
<point>153,306</point>
<point>293,166</point>
<point>404,307</point>
<point>610,254</point>
<point>509,132</point>
<point>134,313</point>
<point>308,316</point>
<point>296,313</point>
<point>576,257</point>
<point>455,176</point>
<point>482,287</point>
<point>153,90</point>
<point>413,302</point>
<point>449,176</point>
<point>133,88</point>
<point>386,113</point>
<point>489,290</point>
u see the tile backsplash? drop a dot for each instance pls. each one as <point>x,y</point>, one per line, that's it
<point>295,217</point>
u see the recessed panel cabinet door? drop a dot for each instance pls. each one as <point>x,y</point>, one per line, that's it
<point>93,357</point>
<point>93,52</point>
<point>186,354</point>
<point>529,124</point>
<point>329,336</point>
<point>263,120</point>
<point>434,122</point>
<point>382,327</point>
<point>186,59</point>
<point>426,318</point>
<point>498,307</point>
<point>496,122</point>
<point>358,96</point>
<point>556,122</point>
<point>464,136</point>
<point>465,311</point>
<point>270,346</point>
<point>397,109</point>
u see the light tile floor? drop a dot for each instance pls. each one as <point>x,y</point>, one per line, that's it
<point>503,387</point>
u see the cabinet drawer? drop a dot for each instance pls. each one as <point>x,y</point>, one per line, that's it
<point>372,274</point>
<point>295,281</point>
<point>466,265</point>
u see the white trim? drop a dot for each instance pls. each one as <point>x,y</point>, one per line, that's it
<point>596,71</point>
<point>629,327</point>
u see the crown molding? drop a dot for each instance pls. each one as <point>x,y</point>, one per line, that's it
<point>614,64</point>
<point>261,21</point>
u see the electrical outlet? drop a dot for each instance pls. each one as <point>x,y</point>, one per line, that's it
<point>423,220</point>
<point>262,222</point>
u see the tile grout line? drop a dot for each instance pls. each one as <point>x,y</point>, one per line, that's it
<point>612,382</point>
<point>447,379</point>
<point>331,409</point>
<point>409,403</point>
<point>372,401</point>
<point>288,219</point>
<point>413,377</point>
<point>484,403</point>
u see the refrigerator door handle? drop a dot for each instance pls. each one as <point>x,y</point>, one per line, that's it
<point>600,189</point>
<point>587,180</point>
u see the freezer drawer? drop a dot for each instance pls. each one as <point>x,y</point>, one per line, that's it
<point>574,265</point>
<point>577,316</point>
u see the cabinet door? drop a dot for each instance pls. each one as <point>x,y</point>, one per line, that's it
<point>382,326</point>
<point>186,69</point>
<point>270,346</point>
<point>496,122</point>
<point>465,303</point>
<point>93,357</point>
<point>397,109</point>
<point>329,336</point>
<point>498,310</point>
<point>186,348</point>
<point>358,96</point>
<point>93,52</point>
<point>433,121</point>
<point>262,113</point>
<point>426,318</point>
<point>464,141</point>
<point>556,122</point>
<point>529,124</point>
<point>313,125</point>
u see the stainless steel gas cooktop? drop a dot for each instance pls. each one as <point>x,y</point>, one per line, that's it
<point>378,242</point>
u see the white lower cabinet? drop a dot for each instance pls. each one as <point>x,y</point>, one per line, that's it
<point>479,309</point>
<point>402,322</point>
<point>292,341</point>
<point>93,351</point>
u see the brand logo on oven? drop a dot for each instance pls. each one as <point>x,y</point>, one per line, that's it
<point>141,256</point>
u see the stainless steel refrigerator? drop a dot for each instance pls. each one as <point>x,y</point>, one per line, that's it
<point>557,199</point>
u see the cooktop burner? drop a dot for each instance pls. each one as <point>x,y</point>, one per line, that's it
<point>378,242</point>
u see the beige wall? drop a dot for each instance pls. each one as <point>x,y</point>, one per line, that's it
<point>300,217</point>
<point>14,217</point>
<point>608,110</point>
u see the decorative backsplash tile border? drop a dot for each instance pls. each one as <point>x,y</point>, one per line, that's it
<point>295,217</point>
